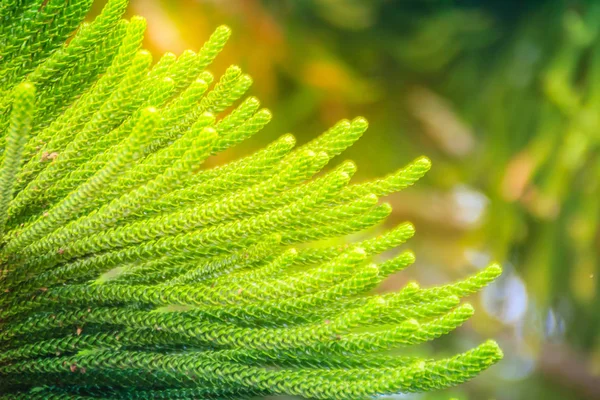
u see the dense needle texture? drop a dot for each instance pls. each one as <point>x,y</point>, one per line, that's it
<point>129,271</point>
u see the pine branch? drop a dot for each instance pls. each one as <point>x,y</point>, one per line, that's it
<point>129,271</point>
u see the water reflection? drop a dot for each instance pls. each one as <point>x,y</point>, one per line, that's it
<point>470,205</point>
<point>506,299</point>
<point>554,326</point>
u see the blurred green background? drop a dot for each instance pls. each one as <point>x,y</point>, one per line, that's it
<point>503,96</point>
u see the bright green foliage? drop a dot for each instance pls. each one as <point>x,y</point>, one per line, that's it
<point>129,272</point>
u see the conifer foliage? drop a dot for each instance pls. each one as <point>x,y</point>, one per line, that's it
<point>131,272</point>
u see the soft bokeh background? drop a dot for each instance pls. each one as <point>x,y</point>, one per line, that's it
<point>503,96</point>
